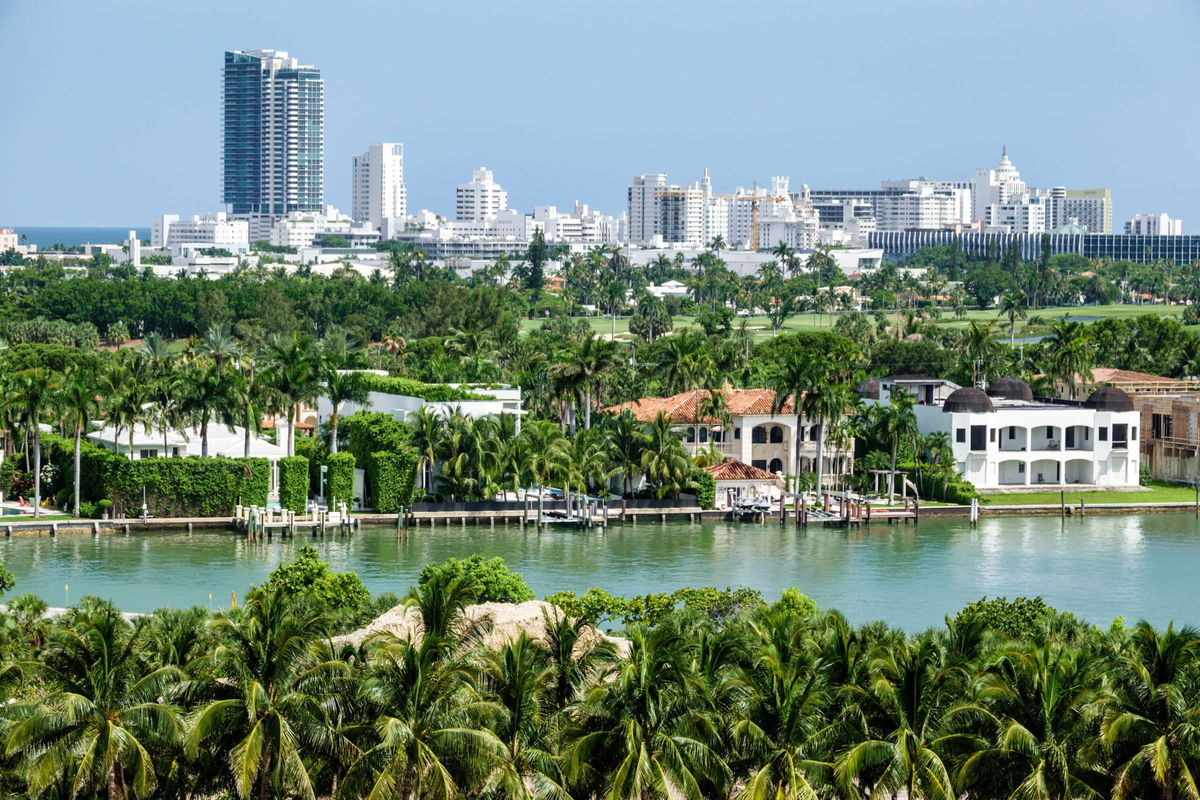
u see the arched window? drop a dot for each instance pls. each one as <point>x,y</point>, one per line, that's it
<point>704,434</point>
<point>759,435</point>
<point>776,465</point>
<point>690,435</point>
<point>776,435</point>
<point>812,433</point>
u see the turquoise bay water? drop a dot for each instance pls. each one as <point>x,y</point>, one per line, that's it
<point>911,576</point>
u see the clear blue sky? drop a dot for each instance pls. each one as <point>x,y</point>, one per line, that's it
<point>111,111</point>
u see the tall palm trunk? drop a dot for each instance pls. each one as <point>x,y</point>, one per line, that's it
<point>892,475</point>
<point>820,461</point>
<point>37,471</point>
<point>587,408</point>
<point>799,445</point>
<point>295,419</point>
<point>333,430</point>
<point>78,436</point>
<point>203,438</point>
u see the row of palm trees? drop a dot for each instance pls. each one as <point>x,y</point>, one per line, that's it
<point>158,386</point>
<point>776,703</point>
<point>467,458</point>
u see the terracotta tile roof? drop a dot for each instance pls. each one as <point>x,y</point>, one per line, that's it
<point>1112,375</point>
<point>685,407</point>
<point>733,470</point>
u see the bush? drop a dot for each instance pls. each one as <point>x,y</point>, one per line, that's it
<point>308,576</point>
<point>1191,315</point>
<point>706,489</point>
<point>1021,618</point>
<point>293,483</point>
<point>431,393</point>
<point>1145,477</point>
<point>87,510</point>
<point>117,333</point>
<point>796,602</point>
<point>188,487</point>
<point>961,492</point>
<point>392,477</point>
<point>7,581</point>
<point>103,507</point>
<point>340,486</point>
<point>496,582</point>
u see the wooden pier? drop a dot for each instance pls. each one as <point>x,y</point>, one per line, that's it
<point>846,509</point>
<point>257,522</point>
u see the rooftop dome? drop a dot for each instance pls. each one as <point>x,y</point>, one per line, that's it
<point>968,400</point>
<point>1010,389</point>
<point>1109,398</point>
<point>868,389</point>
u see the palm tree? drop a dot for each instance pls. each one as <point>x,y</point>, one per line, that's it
<point>664,460</point>
<point>626,442</point>
<point>272,698</point>
<point>206,397</point>
<point>981,350</point>
<point>1013,305</point>
<point>584,365</point>
<point>1150,723</point>
<point>651,735</point>
<point>785,701</point>
<point>1071,354</point>
<point>896,422</point>
<point>428,432</point>
<point>103,715</point>
<point>339,388</point>
<point>33,396</point>
<point>292,370</point>
<point>790,380</point>
<point>1040,702</point>
<point>80,401</point>
<point>826,402</point>
<point>899,751</point>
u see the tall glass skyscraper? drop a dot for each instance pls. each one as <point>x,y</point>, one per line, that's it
<point>274,144</point>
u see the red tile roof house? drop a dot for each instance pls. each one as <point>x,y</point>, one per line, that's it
<point>735,479</point>
<point>755,436</point>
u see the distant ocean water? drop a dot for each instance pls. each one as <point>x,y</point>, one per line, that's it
<point>43,237</point>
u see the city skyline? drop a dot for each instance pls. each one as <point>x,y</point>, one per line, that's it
<point>153,150</point>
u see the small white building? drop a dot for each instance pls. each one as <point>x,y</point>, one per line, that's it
<point>216,230</point>
<point>1144,225</point>
<point>499,400</point>
<point>1004,439</point>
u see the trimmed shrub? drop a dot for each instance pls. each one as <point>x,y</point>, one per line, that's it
<point>188,487</point>
<point>340,486</point>
<point>706,489</point>
<point>435,393</point>
<point>293,483</point>
<point>392,477</point>
<point>309,576</point>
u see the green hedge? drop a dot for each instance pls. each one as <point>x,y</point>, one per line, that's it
<point>189,487</point>
<point>392,477</point>
<point>706,489</point>
<point>293,483</point>
<point>431,393</point>
<point>96,466</point>
<point>340,486</point>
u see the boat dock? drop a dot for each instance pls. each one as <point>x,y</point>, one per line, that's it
<point>257,522</point>
<point>846,509</point>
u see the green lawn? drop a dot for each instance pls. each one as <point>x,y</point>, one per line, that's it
<point>811,322</point>
<point>1155,493</point>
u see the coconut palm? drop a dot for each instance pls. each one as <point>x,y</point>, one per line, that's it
<point>95,729</point>
<point>79,404</point>
<point>205,397</point>
<point>790,380</point>
<point>902,711</point>
<point>33,396</point>
<point>1150,724</point>
<point>1014,306</point>
<point>1040,703</point>
<point>292,370</point>
<point>664,460</point>
<point>585,365</point>
<point>272,698</point>
<point>779,730</point>
<point>648,732</point>
<point>340,388</point>
<point>895,422</point>
<point>626,444</point>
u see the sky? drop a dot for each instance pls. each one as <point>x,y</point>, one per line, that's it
<point>110,112</point>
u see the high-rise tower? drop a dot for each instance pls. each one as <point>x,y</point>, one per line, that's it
<point>274,147</point>
<point>378,184</point>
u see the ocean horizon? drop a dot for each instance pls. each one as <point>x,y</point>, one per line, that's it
<point>46,235</point>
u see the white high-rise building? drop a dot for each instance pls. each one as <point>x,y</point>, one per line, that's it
<point>581,226</point>
<point>998,186</point>
<point>1154,225</point>
<point>480,199</point>
<point>645,213</point>
<point>1089,208</point>
<point>378,185</point>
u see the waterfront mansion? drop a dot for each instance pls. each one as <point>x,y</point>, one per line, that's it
<point>752,434</point>
<point>1005,439</point>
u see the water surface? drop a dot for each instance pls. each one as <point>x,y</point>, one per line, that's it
<point>912,576</point>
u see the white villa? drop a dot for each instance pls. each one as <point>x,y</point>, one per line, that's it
<point>755,436</point>
<point>1005,439</point>
<point>497,400</point>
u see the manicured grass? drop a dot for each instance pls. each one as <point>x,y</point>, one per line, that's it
<point>814,322</point>
<point>1154,493</point>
